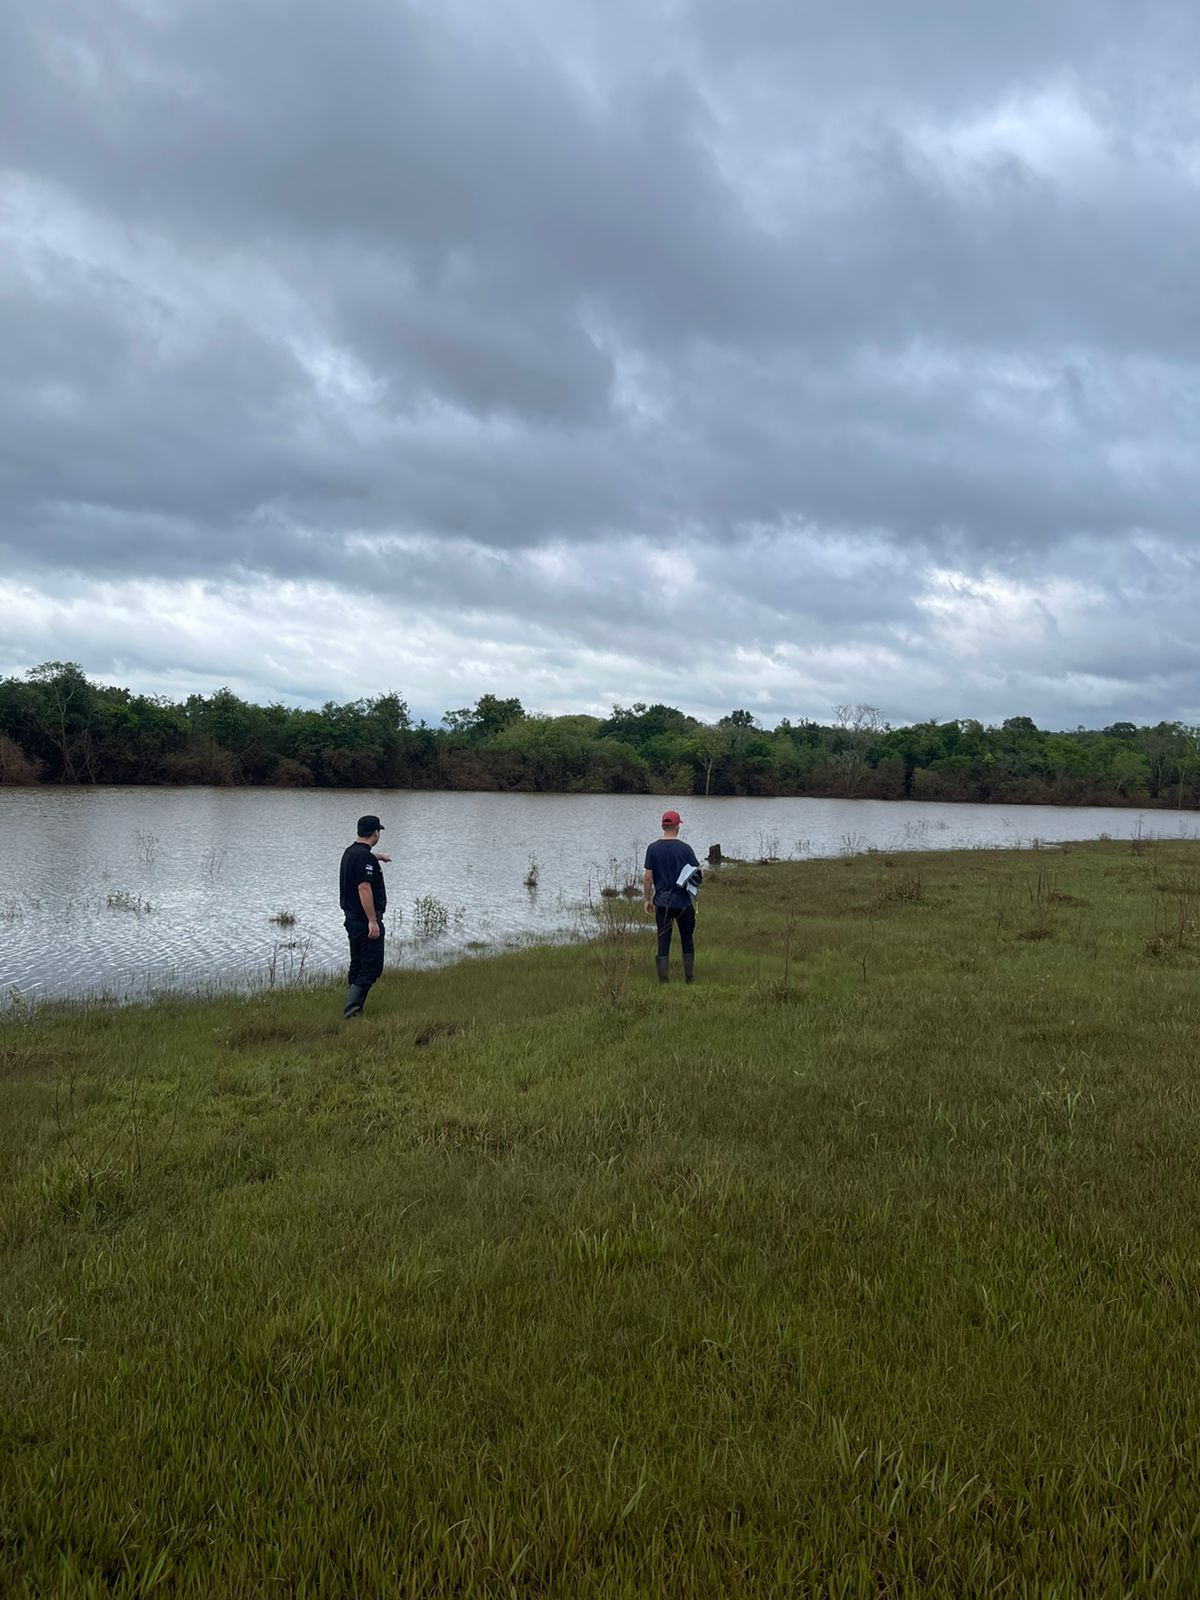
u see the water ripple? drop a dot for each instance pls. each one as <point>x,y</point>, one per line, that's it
<point>129,891</point>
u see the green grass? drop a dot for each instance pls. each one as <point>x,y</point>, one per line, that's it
<point>878,1279</point>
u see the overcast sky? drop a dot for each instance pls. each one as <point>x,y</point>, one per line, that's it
<point>768,354</point>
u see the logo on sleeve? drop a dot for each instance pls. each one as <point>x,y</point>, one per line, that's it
<point>370,870</point>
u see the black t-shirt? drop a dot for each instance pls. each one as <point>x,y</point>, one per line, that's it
<point>360,866</point>
<point>666,859</point>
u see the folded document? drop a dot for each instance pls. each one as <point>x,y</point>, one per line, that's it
<point>687,879</point>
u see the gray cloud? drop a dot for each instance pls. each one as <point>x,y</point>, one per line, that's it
<point>476,306</point>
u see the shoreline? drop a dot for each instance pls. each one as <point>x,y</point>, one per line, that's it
<point>1091,804</point>
<point>27,1008</point>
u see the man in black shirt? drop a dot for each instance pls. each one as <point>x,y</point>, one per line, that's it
<point>665,881</point>
<point>364,900</point>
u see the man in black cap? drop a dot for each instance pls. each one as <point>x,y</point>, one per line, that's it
<point>364,900</point>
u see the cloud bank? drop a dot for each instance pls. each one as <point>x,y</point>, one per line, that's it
<point>762,355</point>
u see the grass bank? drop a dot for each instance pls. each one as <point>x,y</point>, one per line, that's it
<point>868,1265</point>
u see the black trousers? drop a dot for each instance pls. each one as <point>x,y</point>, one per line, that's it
<point>366,955</point>
<point>682,916</point>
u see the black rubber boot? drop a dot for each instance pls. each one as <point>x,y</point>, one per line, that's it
<point>689,969</point>
<point>355,1000</point>
<point>662,963</point>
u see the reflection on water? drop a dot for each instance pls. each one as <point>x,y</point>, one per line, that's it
<point>132,891</point>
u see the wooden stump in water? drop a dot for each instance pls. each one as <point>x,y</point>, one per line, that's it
<point>714,855</point>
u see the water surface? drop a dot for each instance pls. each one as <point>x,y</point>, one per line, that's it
<point>79,866</point>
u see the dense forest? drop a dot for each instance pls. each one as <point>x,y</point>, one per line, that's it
<point>56,726</point>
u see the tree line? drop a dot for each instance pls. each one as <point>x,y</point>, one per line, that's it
<point>57,726</point>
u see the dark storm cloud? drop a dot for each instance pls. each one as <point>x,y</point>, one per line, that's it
<point>497,301</point>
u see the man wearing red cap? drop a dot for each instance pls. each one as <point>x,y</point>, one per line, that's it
<point>670,867</point>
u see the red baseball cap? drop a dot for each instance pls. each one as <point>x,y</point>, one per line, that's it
<point>670,819</point>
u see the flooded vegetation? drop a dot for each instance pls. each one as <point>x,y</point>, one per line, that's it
<point>133,892</point>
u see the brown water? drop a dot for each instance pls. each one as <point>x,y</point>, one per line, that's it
<point>78,866</point>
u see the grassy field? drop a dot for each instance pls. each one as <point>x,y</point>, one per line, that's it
<point>869,1265</point>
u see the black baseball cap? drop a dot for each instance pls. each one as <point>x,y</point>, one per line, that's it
<point>368,825</point>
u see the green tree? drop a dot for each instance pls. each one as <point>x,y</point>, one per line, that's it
<point>707,749</point>
<point>641,724</point>
<point>486,719</point>
<point>1188,758</point>
<point>552,754</point>
<point>616,768</point>
<point>1129,773</point>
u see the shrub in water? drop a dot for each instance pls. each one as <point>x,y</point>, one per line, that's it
<point>430,917</point>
